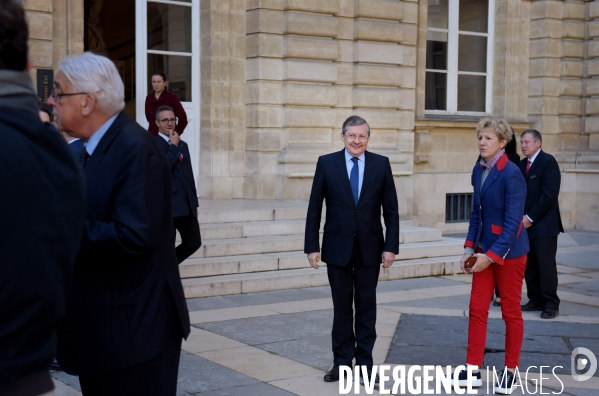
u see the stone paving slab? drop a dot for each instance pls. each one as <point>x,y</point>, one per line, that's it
<point>197,374</point>
<point>586,260</point>
<point>261,389</point>
<point>440,302</point>
<point>263,330</point>
<point>590,288</point>
<point>414,283</point>
<point>584,237</point>
<point>70,380</point>
<point>313,351</point>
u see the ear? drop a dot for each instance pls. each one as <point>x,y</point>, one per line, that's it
<point>28,65</point>
<point>89,105</point>
<point>157,124</point>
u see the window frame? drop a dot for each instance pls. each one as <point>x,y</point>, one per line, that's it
<point>453,34</point>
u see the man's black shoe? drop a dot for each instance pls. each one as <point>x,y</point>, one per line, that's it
<point>549,313</point>
<point>531,307</point>
<point>370,379</point>
<point>505,383</point>
<point>333,374</point>
<point>462,379</point>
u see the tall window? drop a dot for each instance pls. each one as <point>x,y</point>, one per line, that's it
<point>459,56</point>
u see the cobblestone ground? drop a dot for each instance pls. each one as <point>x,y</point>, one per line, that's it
<point>278,343</point>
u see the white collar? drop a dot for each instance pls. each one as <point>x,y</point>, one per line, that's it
<point>348,156</point>
<point>531,160</point>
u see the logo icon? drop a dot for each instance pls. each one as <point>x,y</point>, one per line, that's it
<point>583,361</point>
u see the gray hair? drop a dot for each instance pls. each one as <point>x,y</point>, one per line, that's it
<point>96,75</point>
<point>353,121</point>
<point>500,127</point>
<point>161,109</point>
<point>536,135</point>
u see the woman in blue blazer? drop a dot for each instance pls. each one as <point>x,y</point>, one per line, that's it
<point>499,242</point>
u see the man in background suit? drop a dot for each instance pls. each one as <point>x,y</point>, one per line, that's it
<point>185,196</point>
<point>42,209</point>
<point>355,184</point>
<point>75,144</point>
<point>127,314</point>
<point>543,224</point>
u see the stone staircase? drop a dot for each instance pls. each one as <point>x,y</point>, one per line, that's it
<point>251,246</point>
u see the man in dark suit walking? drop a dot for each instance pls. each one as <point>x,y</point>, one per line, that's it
<point>355,184</point>
<point>126,315</point>
<point>185,196</point>
<point>543,224</point>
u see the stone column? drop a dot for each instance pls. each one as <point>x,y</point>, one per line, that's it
<point>591,122</point>
<point>545,69</point>
<point>510,60</point>
<point>67,29</point>
<point>39,18</point>
<point>222,139</point>
<point>571,76</point>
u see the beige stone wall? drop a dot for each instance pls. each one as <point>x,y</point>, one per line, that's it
<point>591,82</point>
<point>55,31</point>
<point>311,64</point>
<point>223,112</point>
<point>578,199</point>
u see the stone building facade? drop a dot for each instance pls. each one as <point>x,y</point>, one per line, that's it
<point>275,79</point>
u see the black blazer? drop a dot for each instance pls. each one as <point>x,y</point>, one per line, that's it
<point>42,207</point>
<point>127,304</point>
<point>542,189</point>
<point>378,190</point>
<point>185,196</point>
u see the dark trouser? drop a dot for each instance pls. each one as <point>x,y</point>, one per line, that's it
<point>541,273</point>
<point>154,377</point>
<point>354,283</point>
<point>191,240</point>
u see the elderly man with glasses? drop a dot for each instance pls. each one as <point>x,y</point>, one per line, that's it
<point>126,315</point>
<point>185,196</point>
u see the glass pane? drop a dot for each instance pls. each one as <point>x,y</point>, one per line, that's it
<point>472,91</point>
<point>437,14</point>
<point>472,54</point>
<point>178,73</point>
<point>474,15</point>
<point>436,55</point>
<point>169,27</point>
<point>436,91</point>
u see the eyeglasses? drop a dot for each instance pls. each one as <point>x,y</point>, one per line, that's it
<point>360,137</point>
<point>57,96</point>
<point>168,120</point>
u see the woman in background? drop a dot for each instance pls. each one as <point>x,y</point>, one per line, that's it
<point>162,97</point>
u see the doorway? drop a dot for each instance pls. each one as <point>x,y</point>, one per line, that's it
<point>144,36</point>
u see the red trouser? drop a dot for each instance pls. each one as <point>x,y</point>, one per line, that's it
<point>508,277</point>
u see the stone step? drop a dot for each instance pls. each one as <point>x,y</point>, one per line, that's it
<point>250,229</point>
<point>235,211</point>
<point>273,244</point>
<point>245,263</point>
<point>309,277</point>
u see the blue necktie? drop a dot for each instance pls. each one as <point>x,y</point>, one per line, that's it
<point>354,179</point>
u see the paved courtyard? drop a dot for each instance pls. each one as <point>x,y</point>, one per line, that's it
<point>278,343</point>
